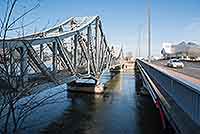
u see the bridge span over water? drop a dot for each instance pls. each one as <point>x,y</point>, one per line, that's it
<point>75,48</point>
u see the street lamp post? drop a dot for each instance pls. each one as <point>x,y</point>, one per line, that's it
<point>149,29</point>
<point>139,39</point>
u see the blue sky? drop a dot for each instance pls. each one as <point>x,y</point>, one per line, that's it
<point>172,20</point>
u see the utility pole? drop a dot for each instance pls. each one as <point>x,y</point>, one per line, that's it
<point>149,29</point>
<point>139,39</point>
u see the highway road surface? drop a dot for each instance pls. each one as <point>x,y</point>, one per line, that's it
<point>190,68</point>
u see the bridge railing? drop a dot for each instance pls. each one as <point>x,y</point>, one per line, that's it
<point>186,95</point>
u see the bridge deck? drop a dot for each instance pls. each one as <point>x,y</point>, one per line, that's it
<point>181,94</point>
<point>186,76</point>
<point>191,69</point>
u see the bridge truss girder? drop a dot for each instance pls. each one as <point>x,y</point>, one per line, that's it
<point>78,45</point>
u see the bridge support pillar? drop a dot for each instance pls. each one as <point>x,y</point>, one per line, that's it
<point>54,60</point>
<point>75,51</point>
<point>12,70</point>
<point>99,88</point>
<point>88,47</point>
<point>41,52</point>
<point>23,65</point>
<point>86,87</point>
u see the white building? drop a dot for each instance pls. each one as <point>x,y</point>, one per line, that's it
<point>183,49</point>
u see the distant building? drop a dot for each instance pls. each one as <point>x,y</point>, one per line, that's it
<point>181,50</point>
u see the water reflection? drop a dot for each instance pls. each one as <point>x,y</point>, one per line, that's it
<point>119,110</point>
<point>53,105</point>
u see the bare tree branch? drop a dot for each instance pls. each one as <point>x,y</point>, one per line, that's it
<point>21,16</point>
<point>25,25</point>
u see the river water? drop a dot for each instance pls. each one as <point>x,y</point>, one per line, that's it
<point>118,111</point>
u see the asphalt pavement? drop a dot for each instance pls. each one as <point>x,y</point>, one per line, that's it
<point>190,68</point>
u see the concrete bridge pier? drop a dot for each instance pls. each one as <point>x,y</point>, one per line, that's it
<point>86,86</point>
<point>99,87</point>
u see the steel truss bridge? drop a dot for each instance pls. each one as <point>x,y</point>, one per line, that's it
<point>77,46</point>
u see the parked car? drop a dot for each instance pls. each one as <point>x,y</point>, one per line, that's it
<point>175,63</point>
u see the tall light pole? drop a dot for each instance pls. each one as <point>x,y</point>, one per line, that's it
<point>139,39</point>
<point>149,29</point>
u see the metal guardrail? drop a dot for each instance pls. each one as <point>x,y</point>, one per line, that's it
<point>186,96</point>
<point>148,83</point>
